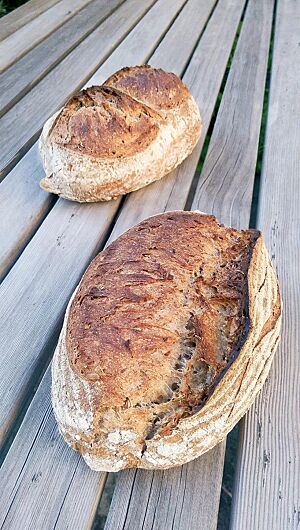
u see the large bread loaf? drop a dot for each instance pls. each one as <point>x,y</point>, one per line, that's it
<point>112,139</point>
<point>166,342</point>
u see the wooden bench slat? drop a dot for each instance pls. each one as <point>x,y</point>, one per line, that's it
<point>22,15</point>
<point>183,35</point>
<point>235,141</point>
<point>23,206</point>
<point>17,80</point>
<point>17,210</point>
<point>267,485</point>
<point>52,263</point>
<point>168,499</point>
<point>22,123</point>
<point>41,482</point>
<point>28,36</point>
<point>18,478</point>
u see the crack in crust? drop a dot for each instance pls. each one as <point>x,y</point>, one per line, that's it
<point>102,121</point>
<point>180,305</point>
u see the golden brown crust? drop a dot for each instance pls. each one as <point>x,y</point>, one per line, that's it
<point>170,293</point>
<point>101,121</point>
<point>159,89</point>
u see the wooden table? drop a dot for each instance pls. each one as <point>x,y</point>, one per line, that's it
<point>241,61</point>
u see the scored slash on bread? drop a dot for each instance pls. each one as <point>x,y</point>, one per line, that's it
<point>111,139</point>
<point>166,342</point>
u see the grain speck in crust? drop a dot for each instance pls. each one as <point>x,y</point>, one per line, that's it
<point>111,139</point>
<point>166,342</point>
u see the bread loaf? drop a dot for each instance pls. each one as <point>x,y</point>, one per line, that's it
<point>166,342</point>
<point>112,139</point>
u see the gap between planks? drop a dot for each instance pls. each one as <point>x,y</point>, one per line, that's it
<point>21,41</point>
<point>33,405</point>
<point>22,15</point>
<point>23,75</point>
<point>22,123</point>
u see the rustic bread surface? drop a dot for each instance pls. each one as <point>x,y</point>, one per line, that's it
<point>118,137</point>
<point>166,342</point>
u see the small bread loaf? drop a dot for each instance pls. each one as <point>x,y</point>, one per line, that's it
<point>112,139</point>
<point>166,342</point>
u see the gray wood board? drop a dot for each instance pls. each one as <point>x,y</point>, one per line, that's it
<point>18,471</point>
<point>17,80</point>
<point>22,122</point>
<point>24,39</point>
<point>132,508</point>
<point>168,499</point>
<point>267,485</point>
<point>41,281</point>
<point>23,205</point>
<point>22,15</point>
<point>47,473</point>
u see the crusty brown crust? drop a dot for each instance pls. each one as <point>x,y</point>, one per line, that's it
<point>156,88</point>
<point>173,311</point>
<point>101,121</point>
<point>110,140</point>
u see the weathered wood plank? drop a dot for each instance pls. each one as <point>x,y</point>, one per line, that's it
<point>22,15</point>
<point>234,141</point>
<point>17,210</point>
<point>17,80</point>
<point>226,183</point>
<point>22,123</point>
<point>50,266</point>
<point>28,36</point>
<point>41,483</point>
<point>184,34</point>
<point>268,466</point>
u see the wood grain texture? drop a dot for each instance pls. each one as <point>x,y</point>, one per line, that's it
<point>17,80</point>
<point>53,475</point>
<point>25,205</point>
<point>25,38</point>
<point>22,15</point>
<point>130,509</point>
<point>22,122</point>
<point>35,293</point>
<point>158,22</point>
<point>145,500</point>
<point>268,466</point>
<point>48,270</point>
